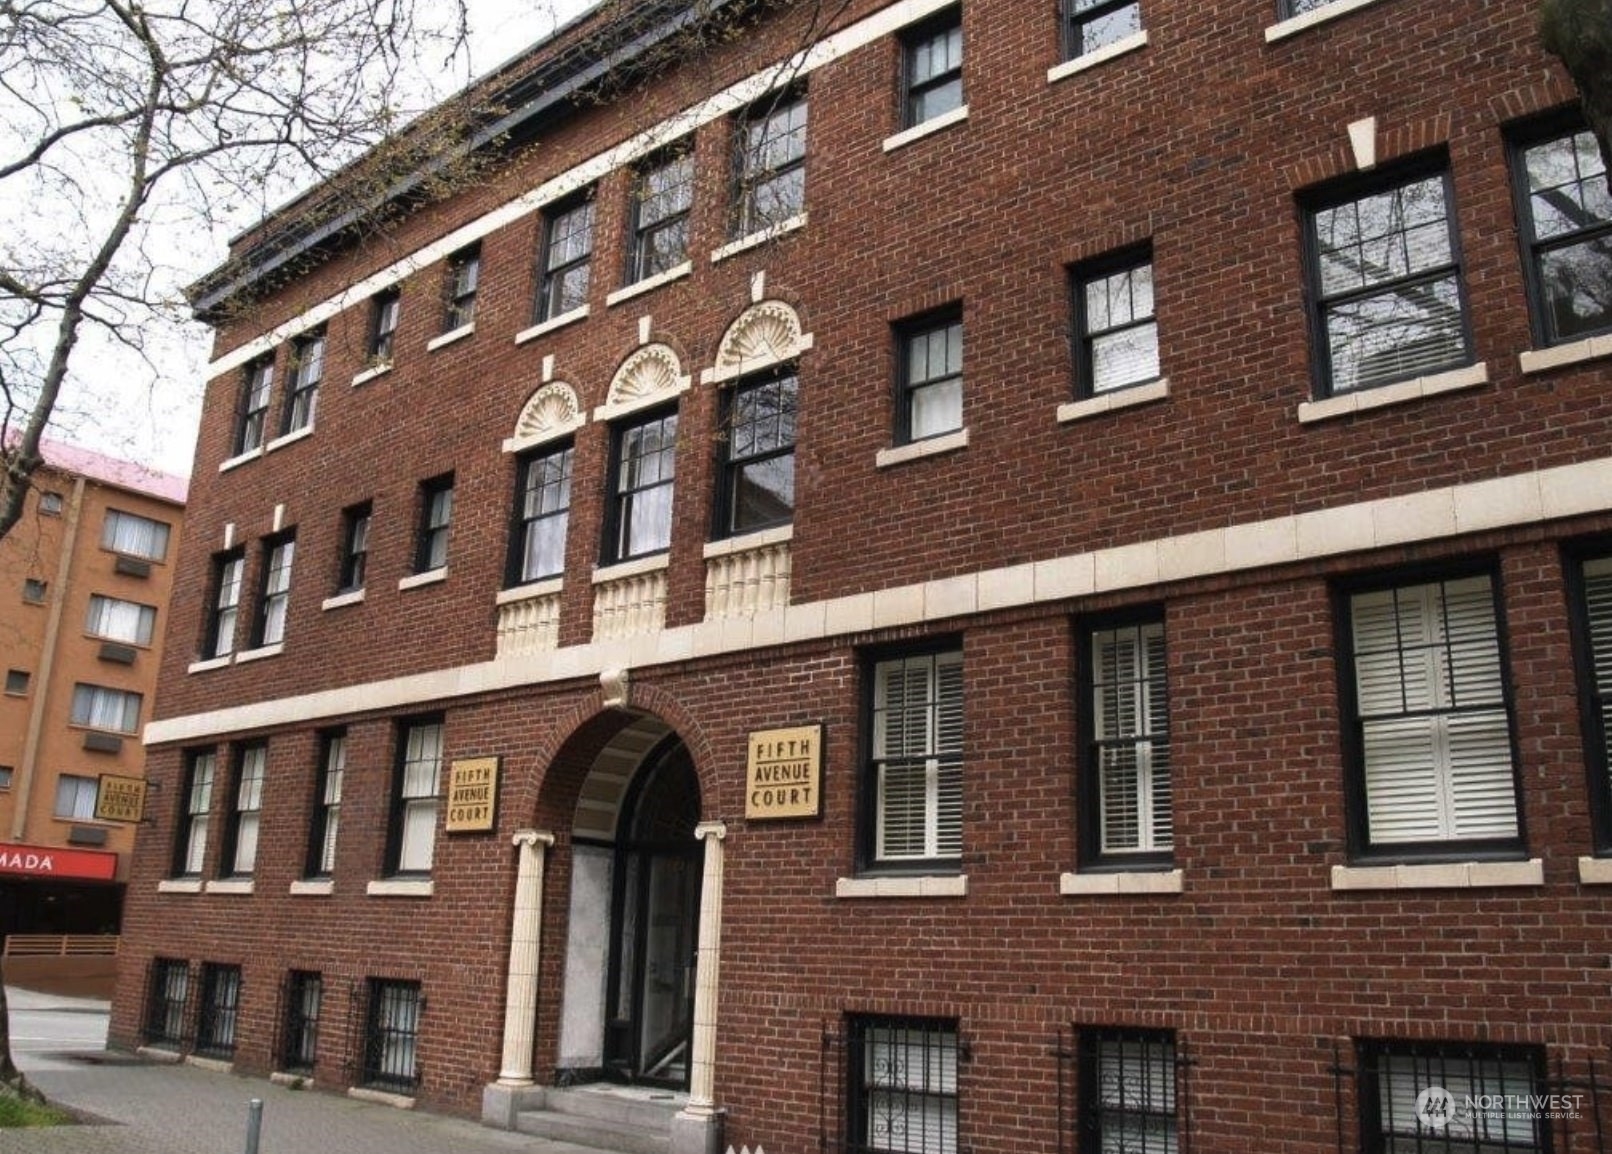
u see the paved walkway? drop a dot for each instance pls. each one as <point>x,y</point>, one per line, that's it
<point>139,1107</point>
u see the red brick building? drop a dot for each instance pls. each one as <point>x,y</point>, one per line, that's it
<point>1069,554</point>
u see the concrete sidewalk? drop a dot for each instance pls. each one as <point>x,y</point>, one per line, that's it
<point>140,1107</point>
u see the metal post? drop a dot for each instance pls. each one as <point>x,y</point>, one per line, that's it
<point>254,1124</point>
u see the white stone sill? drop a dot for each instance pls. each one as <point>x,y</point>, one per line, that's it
<point>933,886</point>
<point>237,461</point>
<point>1107,52</point>
<point>179,886</point>
<point>1440,875</point>
<point>637,567</point>
<point>313,887</point>
<point>343,599</point>
<point>916,450</point>
<point>1595,871</point>
<point>557,322</point>
<point>919,131</point>
<point>260,653</point>
<point>1124,882</point>
<point>649,283</point>
<point>400,888</point>
<point>1296,24</point>
<point>371,373</point>
<point>530,592</point>
<point>760,539</point>
<point>241,887</point>
<point>1402,393</point>
<point>216,1065</point>
<point>290,438</point>
<point>429,577</point>
<point>381,1097</point>
<point>157,1054</point>
<point>1126,398</point>
<point>1589,349</point>
<point>772,232</point>
<point>210,663</point>
<point>450,337</point>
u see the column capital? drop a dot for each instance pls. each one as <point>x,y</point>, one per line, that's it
<point>532,837</point>
<point>716,829</point>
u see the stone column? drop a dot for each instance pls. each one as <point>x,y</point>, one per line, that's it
<point>525,953</point>
<point>698,1125</point>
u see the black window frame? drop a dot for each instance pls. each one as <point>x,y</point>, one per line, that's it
<point>402,800</point>
<point>908,333</point>
<point>299,1024</point>
<point>1520,140</point>
<point>752,168</point>
<point>274,589</point>
<point>257,390</point>
<point>1096,1112</point>
<point>324,826</point>
<point>460,287</point>
<point>557,265</point>
<point>301,404</point>
<point>385,313</point>
<point>1321,305</point>
<point>1081,15</point>
<point>733,462</point>
<point>1088,273</point>
<point>623,500</point>
<point>194,811</point>
<point>354,561</point>
<point>914,90</point>
<point>376,1071</point>
<point>1592,665</point>
<point>167,1003</point>
<point>1289,9</point>
<point>1090,811</point>
<point>1351,729</point>
<point>218,1012</point>
<point>241,808</point>
<point>224,603</point>
<point>533,484</point>
<point>435,523</point>
<point>1431,1065</point>
<point>643,259</point>
<point>864,1080</point>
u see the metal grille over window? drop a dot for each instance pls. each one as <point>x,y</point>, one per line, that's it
<point>903,1092</point>
<point>391,1036</point>
<point>165,1002</point>
<point>918,757</point>
<point>299,1045</point>
<point>1127,1093</point>
<point>1569,222</point>
<point>1435,736</point>
<point>221,995</point>
<point>1451,1099</point>
<point>1131,746</point>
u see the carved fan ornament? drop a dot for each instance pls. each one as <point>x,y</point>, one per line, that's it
<point>652,370</point>
<point>549,412</point>
<point>764,334</point>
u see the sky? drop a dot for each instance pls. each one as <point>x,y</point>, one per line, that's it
<point>154,424</point>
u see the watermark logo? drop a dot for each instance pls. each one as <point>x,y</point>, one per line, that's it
<point>1440,1111</point>
<point>1435,1107</point>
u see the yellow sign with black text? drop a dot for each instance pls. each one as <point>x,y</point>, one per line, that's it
<point>120,798</point>
<point>472,794</point>
<point>784,773</point>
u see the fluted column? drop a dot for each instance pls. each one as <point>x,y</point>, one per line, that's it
<point>702,1060</point>
<point>525,954</point>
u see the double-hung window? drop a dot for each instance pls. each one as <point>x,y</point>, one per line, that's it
<point>228,571</point>
<point>1093,24</point>
<point>436,517</point>
<point>414,797</point>
<point>354,548</point>
<point>771,163</point>
<point>327,805</point>
<point>757,482</point>
<point>663,195</point>
<point>1117,332</point>
<point>1386,298</point>
<point>902,1082</point>
<point>464,280</point>
<point>386,309</point>
<point>932,55</point>
<point>190,846</point>
<point>1429,721</point>
<point>275,596</point>
<point>641,498</point>
<point>246,811</point>
<point>113,619</point>
<point>1441,1096</point>
<point>929,399</point>
<point>1565,212</point>
<point>1127,1092</point>
<point>307,369</point>
<point>99,707</point>
<point>132,535</point>
<point>254,405</point>
<point>914,779</point>
<point>1125,796</point>
<point>1592,634</point>
<point>564,270</point>
<point>542,510</point>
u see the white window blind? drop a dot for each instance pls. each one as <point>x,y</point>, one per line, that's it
<point>1131,725</point>
<point>197,808</point>
<point>918,757</point>
<point>119,620</point>
<point>422,767</point>
<point>135,536</point>
<point>910,1089</point>
<point>1478,1085</point>
<point>1598,619</point>
<point>248,807</point>
<point>1135,1085</point>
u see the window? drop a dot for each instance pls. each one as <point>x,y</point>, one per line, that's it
<point>771,164</point>
<point>1565,223</point>
<point>17,682</point>
<point>75,797</point>
<point>436,514</point>
<point>1385,283</point>
<point>220,1002</point>
<point>255,392</point>
<point>1093,24</point>
<point>1118,335</point>
<point>1127,1092</point>
<point>134,536</point>
<point>275,597</point>
<point>327,805</point>
<point>933,55</point>
<point>903,1086</point>
<point>50,504</point>
<point>663,194</point>
<point>1429,725</point>
<point>228,571</point>
<point>385,310</point>
<point>1290,8</point>
<point>1125,727</point>
<point>391,1034</point>
<point>33,590</point>
<point>1484,1107</point>
<point>6,772</point>
<point>914,783</point>
<point>241,836</point>
<point>563,269</point>
<point>354,548</point>
<point>930,398</point>
<point>1592,634</point>
<point>165,1004</point>
<point>307,367</point>
<point>414,799</point>
<point>299,1040</point>
<point>97,707</point>
<point>641,504</point>
<point>757,481</point>
<point>464,278</point>
<point>543,508</point>
<point>117,620</point>
<point>190,848</point>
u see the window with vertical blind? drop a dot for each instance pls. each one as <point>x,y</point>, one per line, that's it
<point>414,797</point>
<point>903,1086</point>
<point>1430,722</point>
<point>1592,596</point>
<point>1124,721</point>
<point>1483,1108</point>
<point>915,771</point>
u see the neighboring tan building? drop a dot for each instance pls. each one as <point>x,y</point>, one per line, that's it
<point>1035,579</point>
<point>85,577</point>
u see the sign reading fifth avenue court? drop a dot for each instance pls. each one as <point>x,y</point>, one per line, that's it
<point>472,794</point>
<point>784,773</point>
<point>120,798</point>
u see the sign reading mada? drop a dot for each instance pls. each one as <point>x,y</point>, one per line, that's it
<point>784,773</point>
<point>46,862</point>
<point>472,794</point>
<point>120,798</point>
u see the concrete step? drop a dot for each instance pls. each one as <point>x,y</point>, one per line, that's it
<point>626,1120</point>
